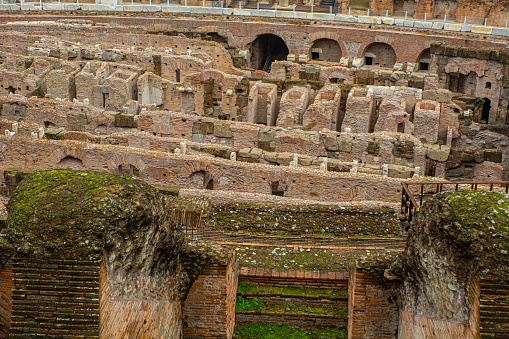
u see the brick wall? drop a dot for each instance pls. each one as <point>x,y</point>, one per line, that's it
<point>209,310</point>
<point>494,309</point>
<point>55,298</point>
<point>371,312</point>
<point>5,300</point>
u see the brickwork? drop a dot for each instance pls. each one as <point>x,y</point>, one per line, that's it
<point>372,312</point>
<point>6,285</point>
<point>209,310</point>
<point>56,298</point>
<point>494,305</point>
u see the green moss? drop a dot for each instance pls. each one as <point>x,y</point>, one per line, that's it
<point>311,219</point>
<point>283,332</point>
<point>249,289</point>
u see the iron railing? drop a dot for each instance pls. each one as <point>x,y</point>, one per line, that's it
<point>413,194</point>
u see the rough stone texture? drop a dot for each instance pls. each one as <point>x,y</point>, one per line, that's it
<point>125,220</point>
<point>455,239</point>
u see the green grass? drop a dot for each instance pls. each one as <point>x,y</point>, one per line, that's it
<point>248,305</point>
<point>284,332</point>
<point>253,289</point>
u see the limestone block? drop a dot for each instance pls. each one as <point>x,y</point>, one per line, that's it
<point>400,172</point>
<point>197,138</point>
<point>358,62</point>
<point>388,21</point>
<point>398,66</point>
<point>54,133</point>
<point>466,28</point>
<point>284,158</point>
<point>500,31</point>
<point>492,155</point>
<point>437,152</point>
<point>270,156</point>
<point>346,18</point>
<point>344,145</point>
<point>366,20</point>
<point>343,62</point>
<point>408,23</point>
<point>290,57</point>
<point>438,25</point>
<point>411,67</point>
<point>481,29</point>
<point>222,131</point>
<point>452,27</point>
<point>203,128</point>
<point>330,143</point>
<point>125,120</point>
<point>423,24</point>
<point>399,22</point>
<point>303,58</point>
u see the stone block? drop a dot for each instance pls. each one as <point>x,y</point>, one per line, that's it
<point>366,20</point>
<point>358,62</point>
<point>438,25</point>
<point>343,62</point>
<point>479,155</point>
<point>203,128</point>
<point>72,7</point>
<point>222,131</point>
<point>270,156</point>
<point>9,7</point>
<point>175,9</point>
<point>345,18</point>
<point>408,23</point>
<point>481,29</point>
<point>151,8</point>
<point>197,138</point>
<point>373,148</point>
<point>266,134</point>
<point>437,152</point>
<point>423,24</point>
<point>330,143</point>
<point>452,27</point>
<point>54,133</point>
<point>388,21</point>
<point>399,22</point>
<point>500,31</point>
<point>133,8</point>
<point>53,7</point>
<point>321,16</point>
<point>444,95</point>
<point>125,120</point>
<point>284,158</point>
<point>492,155</point>
<point>344,145</point>
<point>466,28</point>
<point>400,172</point>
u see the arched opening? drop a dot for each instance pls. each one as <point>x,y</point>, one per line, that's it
<point>379,54</point>
<point>325,50</point>
<point>11,90</point>
<point>424,61</point>
<point>71,163</point>
<point>201,180</point>
<point>128,170</point>
<point>217,38</point>
<point>266,49</point>
<point>49,124</point>
<point>485,116</point>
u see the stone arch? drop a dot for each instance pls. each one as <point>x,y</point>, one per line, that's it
<point>379,54</point>
<point>325,49</point>
<point>265,49</point>
<point>424,60</point>
<point>58,155</point>
<point>71,162</point>
<point>127,164</point>
<point>210,173</point>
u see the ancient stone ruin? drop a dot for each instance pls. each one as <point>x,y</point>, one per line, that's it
<point>195,170</point>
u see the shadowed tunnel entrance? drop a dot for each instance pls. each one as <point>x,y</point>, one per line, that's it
<point>266,49</point>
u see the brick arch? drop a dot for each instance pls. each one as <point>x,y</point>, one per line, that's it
<point>57,155</point>
<point>192,167</point>
<point>365,47</point>
<point>324,35</point>
<point>131,159</point>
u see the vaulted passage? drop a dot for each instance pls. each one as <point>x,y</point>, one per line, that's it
<point>266,49</point>
<point>379,54</point>
<point>325,50</point>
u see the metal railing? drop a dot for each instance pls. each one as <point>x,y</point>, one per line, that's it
<point>413,194</point>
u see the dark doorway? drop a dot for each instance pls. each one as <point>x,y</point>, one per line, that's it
<point>278,188</point>
<point>177,75</point>
<point>266,49</point>
<point>485,117</point>
<point>11,89</point>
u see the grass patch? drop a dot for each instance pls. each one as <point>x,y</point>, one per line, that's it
<point>248,305</point>
<point>253,289</point>
<point>283,332</point>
